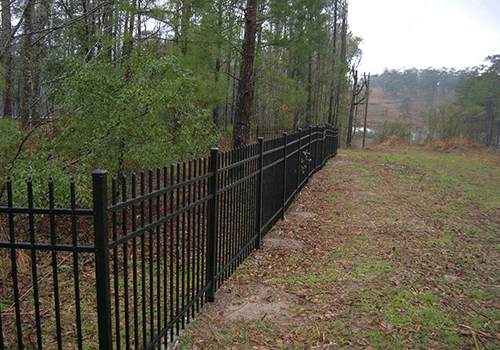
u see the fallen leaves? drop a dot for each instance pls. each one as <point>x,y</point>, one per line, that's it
<point>403,269</point>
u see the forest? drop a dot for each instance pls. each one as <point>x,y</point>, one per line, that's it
<point>439,103</point>
<point>122,85</point>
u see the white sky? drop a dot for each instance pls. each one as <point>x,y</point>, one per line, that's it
<point>425,33</point>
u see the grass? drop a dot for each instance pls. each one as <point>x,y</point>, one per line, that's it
<point>404,253</point>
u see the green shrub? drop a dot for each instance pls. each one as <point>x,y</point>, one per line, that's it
<point>141,114</point>
<point>393,129</point>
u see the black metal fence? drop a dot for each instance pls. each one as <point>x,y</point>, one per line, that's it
<point>271,132</point>
<point>132,271</point>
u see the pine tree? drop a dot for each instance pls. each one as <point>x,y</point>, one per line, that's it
<point>244,101</point>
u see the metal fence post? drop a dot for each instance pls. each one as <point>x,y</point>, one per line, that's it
<point>260,182</point>
<point>330,144</point>
<point>332,147</point>
<point>335,140</point>
<point>323,138</point>
<point>212,223</point>
<point>326,140</point>
<point>285,140</point>
<point>101,240</point>
<point>316,157</point>
<point>299,167</point>
<point>322,148</point>
<point>309,160</point>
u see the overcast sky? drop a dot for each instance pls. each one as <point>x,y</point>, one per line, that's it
<point>425,33</point>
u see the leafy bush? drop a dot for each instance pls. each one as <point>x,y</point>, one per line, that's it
<point>25,155</point>
<point>448,121</point>
<point>140,114</point>
<point>391,130</point>
<point>10,137</point>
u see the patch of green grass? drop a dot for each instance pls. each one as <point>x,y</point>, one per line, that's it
<point>294,260</point>
<point>374,202</point>
<point>444,240</point>
<point>371,269</point>
<point>308,279</point>
<point>394,314</point>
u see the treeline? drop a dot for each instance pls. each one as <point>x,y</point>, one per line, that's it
<point>431,81</point>
<point>120,84</point>
<point>476,112</point>
<point>471,106</point>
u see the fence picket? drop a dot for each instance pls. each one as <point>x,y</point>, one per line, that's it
<point>101,242</point>
<point>212,223</point>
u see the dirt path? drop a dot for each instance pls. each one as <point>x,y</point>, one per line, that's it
<point>377,252</point>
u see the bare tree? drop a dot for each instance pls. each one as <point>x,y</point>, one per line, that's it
<point>356,90</point>
<point>367,95</point>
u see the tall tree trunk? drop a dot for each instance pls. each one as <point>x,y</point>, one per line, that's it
<point>41,20</point>
<point>334,53</point>
<point>216,110</point>
<point>257,102</point>
<point>319,84</point>
<point>185,21</point>
<point>139,20</point>
<point>88,26</point>
<point>36,74</point>
<point>26,62</point>
<point>309,90</point>
<point>115,32</point>
<point>351,110</point>
<point>231,83</point>
<point>107,25</point>
<point>6,60</point>
<point>234,100</point>
<point>128,31</point>
<point>244,102</point>
<point>343,63</point>
<point>229,105</point>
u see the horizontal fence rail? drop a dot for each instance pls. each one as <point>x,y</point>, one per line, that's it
<point>271,132</point>
<point>131,272</point>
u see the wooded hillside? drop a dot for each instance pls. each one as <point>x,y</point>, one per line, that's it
<point>437,104</point>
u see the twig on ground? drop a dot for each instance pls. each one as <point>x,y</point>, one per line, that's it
<point>473,330</point>
<point>475,340</point>
<point>216,336</point>
<point>11,307</point>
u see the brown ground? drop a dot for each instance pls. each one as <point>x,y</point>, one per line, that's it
<point>385,106</point>
<point>349,250</point>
